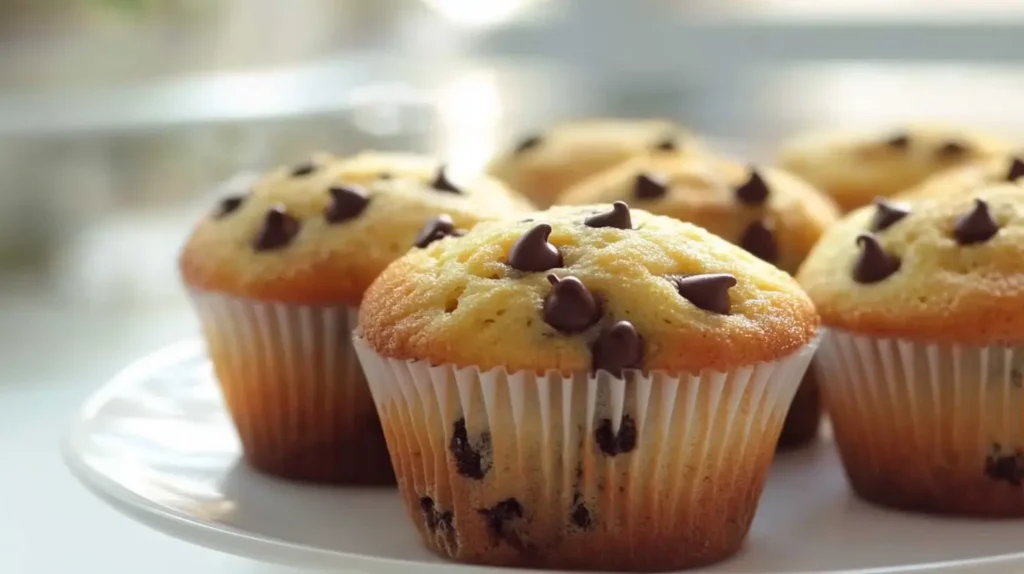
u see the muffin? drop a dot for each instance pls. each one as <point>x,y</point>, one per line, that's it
<point>856,167</point>
<point>543,165</point>
<point>921,367</point>
<point>585,388</point>
<point>963,179</point>
<point>770,213</point>
<point>276,274</point>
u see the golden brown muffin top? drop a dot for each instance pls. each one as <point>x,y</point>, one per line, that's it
<point>966,178</point>
<point>321,231</point>
<point>768,212</point>
<point>543,165</point>
<point>586,288</point>
<point>945,270</point>
<point>856,167</point>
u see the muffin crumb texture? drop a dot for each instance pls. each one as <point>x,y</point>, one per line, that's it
<point>586,288</point>
<point>945,270</point>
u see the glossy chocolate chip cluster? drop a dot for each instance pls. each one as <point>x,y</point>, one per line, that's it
<point>875,264</point>
<point>571,308</point>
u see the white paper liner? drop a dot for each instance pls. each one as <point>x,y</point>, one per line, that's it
<point>293,384</point>
<point>685,495</point>
<point>917,423</point>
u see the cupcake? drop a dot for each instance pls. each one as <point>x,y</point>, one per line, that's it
<point>963,179</point>
<point>770,213</point>
<point>276,274</point>
<point>856,167</point>
<point>584,388</point>
<point>543,165</point>
<point>921,365</point>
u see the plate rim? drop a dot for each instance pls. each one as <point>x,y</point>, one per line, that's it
<point>245,544</point>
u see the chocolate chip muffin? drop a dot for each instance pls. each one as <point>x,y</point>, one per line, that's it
<point>276,273</point>
<point>967,178</point>
<point>921,367</point>
<point>543,165</point>
<point>856,167</point>
<point>587,387</point>
<point>770,213</point>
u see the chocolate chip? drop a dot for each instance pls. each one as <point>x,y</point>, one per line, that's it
<point>612,443</point>
<point>951,150</point>
<point>649,186</point>
<point>887,213</point>
<point>570,307</point>
<point>898,141</point>
<point>501,513</point>
<point>1016,170</point>
<point>347,202</point>
<point>442,183</point>
<point>277,231</point>
<point>618,217</point>
<point>669,143</point>
<point>977,226</point>
<point>303,169</point>
<point>385,175</point>
<point>759,240</point>
<point>619,347</point>
<point>228,205</point>
<point>580,514</point>
<point>437,228</point>
<point>427,506</point>
<point>472,458</point>
<point>709,291</point>
<point>528,143</point>
<point>532,252</point>
<point>754,191</point>
<point>1007,468</point>
<point>436,519</point>
<point>499,519</point>
<point>873,264</point>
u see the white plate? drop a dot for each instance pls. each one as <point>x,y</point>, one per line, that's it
<point>157,445</point>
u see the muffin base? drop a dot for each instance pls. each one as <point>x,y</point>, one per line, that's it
<point>293,386</point>
<point>928,427</point>
<point>804,417</point>
<point>573,471</point>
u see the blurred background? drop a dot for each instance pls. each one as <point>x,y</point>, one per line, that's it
<point>119,118</point>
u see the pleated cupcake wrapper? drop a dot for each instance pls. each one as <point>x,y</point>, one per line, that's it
<point>919,423</point>
<point>293,385</point>
<point>691,475</point>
